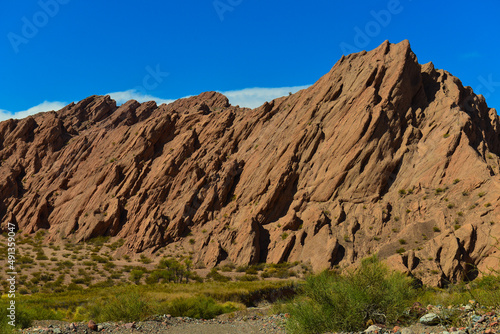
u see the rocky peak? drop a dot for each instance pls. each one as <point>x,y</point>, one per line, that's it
<point>204,103</point>
<point>381,155</point>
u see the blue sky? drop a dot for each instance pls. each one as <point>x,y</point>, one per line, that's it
<point>57,51</point>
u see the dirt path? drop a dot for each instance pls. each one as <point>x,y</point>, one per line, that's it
<point>238,327</point>
<point>249,321</point>
<point>270,325</point>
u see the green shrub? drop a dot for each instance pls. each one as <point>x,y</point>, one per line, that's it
<point>117,244</point>
<point>25,259</point>
<point>251,271</point>
<point>104,284</point>
<point>109,265</point>
<point>217,277</point>
<point>128,306</point>
<point>247,278</point>
<point>23,320</point>
<point>26,313</point>
<point>74,287</point>
<point>157,276</point>
<point>65,264</point>
<point>278,272</point>
<point>99,258</point>
<point>228,267</point>
<point>41,256</point>
<point>241,269</point>
<point>201,307</point>
<point>331,302</point>
<point>98,241</point>
<point>144,259</point>
<point>136,275</point>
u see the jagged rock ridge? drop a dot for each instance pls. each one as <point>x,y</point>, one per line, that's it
<point>382,155</point>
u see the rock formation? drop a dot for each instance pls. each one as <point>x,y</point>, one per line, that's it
<point>381,155</point>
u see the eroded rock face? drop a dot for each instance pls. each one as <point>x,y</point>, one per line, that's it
<point>382,155</point>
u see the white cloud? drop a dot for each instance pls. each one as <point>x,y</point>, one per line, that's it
<point>133,94</point>
<point>470,55</point>
<point>248,97</point>
<point>44,106</point>
<point>119,97</point>
<point>255,97</point>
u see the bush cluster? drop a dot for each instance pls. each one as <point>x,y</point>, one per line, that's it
<point>334,302</point>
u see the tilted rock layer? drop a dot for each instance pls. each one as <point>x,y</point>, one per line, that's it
<point>381,155</point>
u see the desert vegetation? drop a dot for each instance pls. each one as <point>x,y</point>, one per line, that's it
<point>85,281</point>
<point>131,302</point>
<point>333,300</point>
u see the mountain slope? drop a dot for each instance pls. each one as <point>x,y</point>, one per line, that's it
<point>382,154</point>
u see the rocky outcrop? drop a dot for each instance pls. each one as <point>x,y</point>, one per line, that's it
<point>381,155</point>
